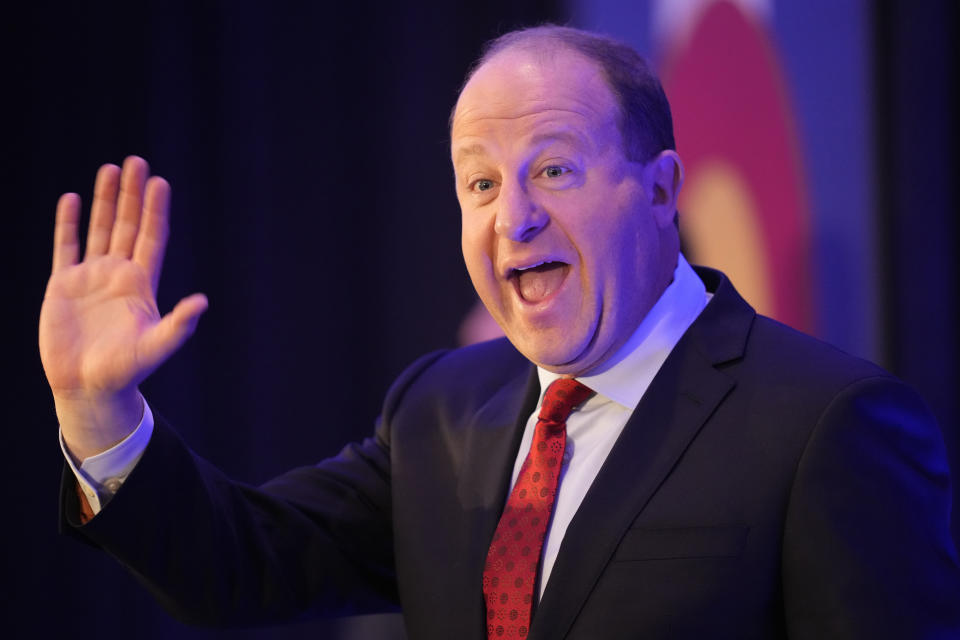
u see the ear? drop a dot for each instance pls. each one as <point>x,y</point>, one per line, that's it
<point>664,177</point>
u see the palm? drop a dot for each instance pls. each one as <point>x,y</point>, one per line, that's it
<point>94,324</point>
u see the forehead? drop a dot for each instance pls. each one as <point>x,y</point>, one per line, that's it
<point>519,90</point>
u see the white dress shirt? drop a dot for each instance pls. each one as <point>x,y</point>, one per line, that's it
<point>592,429</point>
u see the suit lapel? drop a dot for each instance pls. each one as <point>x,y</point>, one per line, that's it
<point>681,398</point>
<point>492,441</point>
<point>491,447</point>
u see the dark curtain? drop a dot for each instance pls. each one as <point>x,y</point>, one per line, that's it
<point>313,203</point>
<point>915,71</point>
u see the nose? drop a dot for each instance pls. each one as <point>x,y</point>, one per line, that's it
<point>519,218</point>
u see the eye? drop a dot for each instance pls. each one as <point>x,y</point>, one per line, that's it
<point>482,185</point>
<point>555,171</point>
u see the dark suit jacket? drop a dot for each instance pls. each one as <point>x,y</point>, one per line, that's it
<point>767,486</point>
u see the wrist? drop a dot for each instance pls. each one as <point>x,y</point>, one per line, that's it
<point>91,424</point>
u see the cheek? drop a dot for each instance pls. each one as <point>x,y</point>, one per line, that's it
<point>475,246</point>
<point>621,254</point>
<point>470,234</point>
<point>636,274</point>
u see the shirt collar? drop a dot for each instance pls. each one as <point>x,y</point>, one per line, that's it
<point>641,356</point>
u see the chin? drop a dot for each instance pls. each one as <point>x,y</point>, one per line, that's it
<point>558,356</point>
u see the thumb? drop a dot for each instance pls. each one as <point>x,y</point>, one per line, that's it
<point>168,335</point>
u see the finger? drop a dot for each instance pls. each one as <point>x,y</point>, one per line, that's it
<point>154,229</point>
<point>66,244</point>
<point>103,209</point>
<point>171,332</point>
<point>129,206</point>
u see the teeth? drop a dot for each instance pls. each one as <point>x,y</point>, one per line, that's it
<point>515,271</point>
<point>531,266</point>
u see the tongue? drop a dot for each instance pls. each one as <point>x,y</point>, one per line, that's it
<point>538,283</point>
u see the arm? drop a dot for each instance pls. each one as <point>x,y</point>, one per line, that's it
<point>867,550</point>
<point>212,551</point>
<point>316,540</point>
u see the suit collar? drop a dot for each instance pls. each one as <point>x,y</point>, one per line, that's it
<point>720,333</point>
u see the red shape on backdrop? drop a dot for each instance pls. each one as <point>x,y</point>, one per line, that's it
<point>727,90</point>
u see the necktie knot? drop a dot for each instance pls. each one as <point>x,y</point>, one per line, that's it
<point>562,396</point>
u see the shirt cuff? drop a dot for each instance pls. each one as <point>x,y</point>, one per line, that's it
<point>101,476</point>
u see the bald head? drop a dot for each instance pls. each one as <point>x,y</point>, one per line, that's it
<point>643,117</point>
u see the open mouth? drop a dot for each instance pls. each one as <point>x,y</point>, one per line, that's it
<point>538,282</point>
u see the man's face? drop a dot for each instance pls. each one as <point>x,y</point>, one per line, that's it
<point>559,235</point>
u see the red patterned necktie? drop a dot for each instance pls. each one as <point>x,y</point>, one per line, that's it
<point>511,568</point>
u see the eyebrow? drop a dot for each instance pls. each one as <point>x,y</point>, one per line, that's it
<point>472,150</point>
<point>566,135</point>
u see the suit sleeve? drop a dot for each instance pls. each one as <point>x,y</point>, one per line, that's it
<point>867,548</point>
<point>316,540</point>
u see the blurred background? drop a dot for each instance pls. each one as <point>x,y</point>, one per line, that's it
<point>308,152</point>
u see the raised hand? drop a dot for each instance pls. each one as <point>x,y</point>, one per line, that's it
<point>101,333</point>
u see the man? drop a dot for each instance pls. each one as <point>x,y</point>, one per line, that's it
<point>719,474</point>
